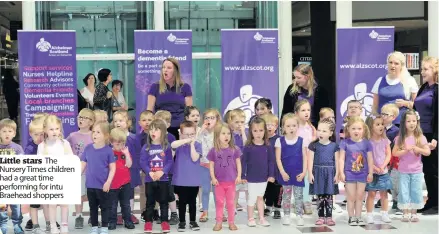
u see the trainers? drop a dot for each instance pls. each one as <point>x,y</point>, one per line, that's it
<point>134,219</point>
<point>352,221</point>
<point>194,226</point>
<point>286,220</point>
<point>104,230</point>
<point>79,222</point>
<point>37,230</point>
<point>165,227</point>
<point>143,216</point>
<point>112,226</point>
<point>264,223</point>
<point>147,228</point>
<point>360,222</point>
<point>370,218</point>
<point>276,215</point>
<point>251,223</point>
<point>300,221</point>
<point>94,230</point>
<point>54,230</point>
<point>337,208</point>
<point>181,227</point>
<point>29,225</point>
<point>398,211</point>
<point>174,219</point>
<point>267,212</point>
<point>18,229</point>
<point>307,208</point>
<point>129,225</point>
<point>378,205</point>
<point>363,208</point>
<point>385,217</point>
<point>119,220</point>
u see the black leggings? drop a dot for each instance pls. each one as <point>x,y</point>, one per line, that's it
<point>187,196</point>
<point>273,195</point>
<point>324,205</point>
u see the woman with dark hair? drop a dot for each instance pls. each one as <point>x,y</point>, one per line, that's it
<point>426,103</point>
<point>12,96</point>
<point>89,90</point>
<point>102,97</point>
<point>304,86</point>
<point>170,93</point>
<point>118,98</point>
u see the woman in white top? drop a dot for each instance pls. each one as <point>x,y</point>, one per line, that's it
<point>398,87</point>
<point>118,98</point>
<point>89,90</point>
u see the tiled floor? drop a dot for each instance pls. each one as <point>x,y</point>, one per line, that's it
<point>427,224</point>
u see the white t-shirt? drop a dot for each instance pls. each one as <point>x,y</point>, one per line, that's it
<point>411,83</point>
<point>289,142</point>
<point>57,148</point>
<point>87,95</point>
<point>120,98</point>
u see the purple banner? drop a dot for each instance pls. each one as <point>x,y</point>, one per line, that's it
<point>361,59</point>
<point>151,48</point>
<point>47,77</point>
<point>250,67</point>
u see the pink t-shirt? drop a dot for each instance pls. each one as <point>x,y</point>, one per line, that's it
<point>78,141</point>
<point>306,132</point>
<point>379,152</point>
<point>410,162</point>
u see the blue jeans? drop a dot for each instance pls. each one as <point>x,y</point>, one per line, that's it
<point>4,221</point>
<point>205,187</point>
<point>16,217</point>
<point>410,191</point>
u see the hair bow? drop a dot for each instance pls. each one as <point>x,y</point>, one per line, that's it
<point>418,117</point>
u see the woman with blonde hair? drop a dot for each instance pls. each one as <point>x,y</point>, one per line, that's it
<point>170,93</point>
<point>397,86</point>
<point>426,104</point>
<point>304,86</point>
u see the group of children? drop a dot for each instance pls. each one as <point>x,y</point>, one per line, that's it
<point>227,158</point>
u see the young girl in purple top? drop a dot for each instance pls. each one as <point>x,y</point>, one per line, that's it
<point>225,171</point>
<point>156,162</point>
<point>186,179</point>
<point>122,120</point>
<point>257,168</point>
<point>410,145</point>
<point>99,165</point>
<point>381,158</point>
<point>236,121</point>
<point>291,161</point>
<point>323,170</point>
<point>356,162</point>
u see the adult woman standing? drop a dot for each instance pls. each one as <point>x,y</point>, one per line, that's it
<point>426,104</point>
<point>89,90</point>
<point>118,98</point>
<point>102,97</point>
<point>304,86</point>
<point>12,96</point>
<point>398,87</point>
<point>170,93</point>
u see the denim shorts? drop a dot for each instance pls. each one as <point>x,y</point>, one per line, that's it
<point>410,191</point>
<point>379,183</point>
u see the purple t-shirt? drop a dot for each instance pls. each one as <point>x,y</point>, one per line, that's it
<point>424,105</point>
<point>98,165</point>
<point>78,141</point>
<point>238,141</point>
<point>411,162</point>
<point>31,148</point>
<point>186,171</point>
<point>11,149</point>
<point>379,152</point>
<point>171,101</point>
<point>225,163</point>
<point>257,163</point>
<point>156,159</point>
<point>355,164</point>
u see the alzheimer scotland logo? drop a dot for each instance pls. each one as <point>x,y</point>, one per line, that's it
<point>54,50</point>
<point>262,39</point>
<point>379,37</point>
<point>177,40</point>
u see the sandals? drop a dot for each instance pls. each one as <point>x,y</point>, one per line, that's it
<point>414,218</point>
<point>232,227</point>
<point>320,221</point>
<point>204,218</point>
<point>330,222</point>
<point>405,218</point>
<point>217,227</point>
